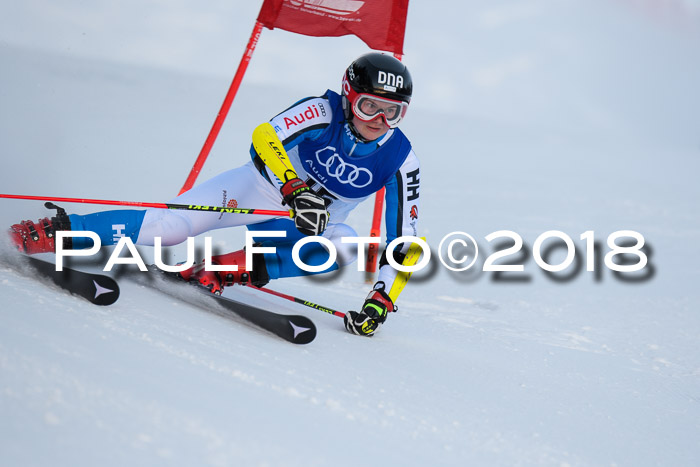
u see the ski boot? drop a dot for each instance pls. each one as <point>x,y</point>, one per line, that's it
<point>215,281</point>
<point>32,238</point>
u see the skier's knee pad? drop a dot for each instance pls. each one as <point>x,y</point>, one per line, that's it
<point>170,226</point>
<point>347,252</point>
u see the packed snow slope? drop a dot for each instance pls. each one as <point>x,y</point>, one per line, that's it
<point>527,116</point>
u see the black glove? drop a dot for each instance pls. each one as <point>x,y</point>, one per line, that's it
<point>310,214</point>
<point>374,312</point>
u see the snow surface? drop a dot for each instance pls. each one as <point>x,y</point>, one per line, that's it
<point>529,116</point>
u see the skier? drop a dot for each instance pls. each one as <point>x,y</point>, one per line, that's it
<point>343,148</point>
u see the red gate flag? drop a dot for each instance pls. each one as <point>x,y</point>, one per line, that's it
<point>379,23</point>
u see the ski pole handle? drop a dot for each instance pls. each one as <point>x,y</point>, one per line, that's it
<point>186,207</point>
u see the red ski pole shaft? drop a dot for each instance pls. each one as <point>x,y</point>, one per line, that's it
<point>186,207</point>
<point>300,301</point>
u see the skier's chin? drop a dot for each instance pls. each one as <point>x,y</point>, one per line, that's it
<point>371,130</point>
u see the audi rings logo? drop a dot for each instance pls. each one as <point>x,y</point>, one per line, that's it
<point>344,172</point>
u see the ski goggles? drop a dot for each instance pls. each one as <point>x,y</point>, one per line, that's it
<point>366,107</point>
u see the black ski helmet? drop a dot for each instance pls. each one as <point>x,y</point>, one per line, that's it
<point>380,75</point>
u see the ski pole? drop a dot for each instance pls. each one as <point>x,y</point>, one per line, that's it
<point>412,255</point>
<point>187,207</point>
<point>300,301</point>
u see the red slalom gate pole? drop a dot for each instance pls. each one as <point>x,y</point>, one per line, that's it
<point>225,106</point>
<point>186,207</point>
<point>300,301</point>
<point>376,230</point>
